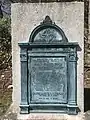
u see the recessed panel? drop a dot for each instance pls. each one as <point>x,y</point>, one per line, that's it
<point>48,35</point>
<point>48,80</point>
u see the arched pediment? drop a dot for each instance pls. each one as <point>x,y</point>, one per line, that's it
<point>47,32</point>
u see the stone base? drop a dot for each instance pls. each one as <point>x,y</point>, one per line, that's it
<point>49,116</point>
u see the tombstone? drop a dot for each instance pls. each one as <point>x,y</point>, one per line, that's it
<point>48,71</point>
<point>47,62</point>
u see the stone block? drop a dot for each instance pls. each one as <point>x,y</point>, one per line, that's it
<point>69,16</point>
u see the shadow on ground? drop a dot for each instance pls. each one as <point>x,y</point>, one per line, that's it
<point>86,99</point>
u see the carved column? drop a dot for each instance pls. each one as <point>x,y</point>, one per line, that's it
<point>24,81</point>
<point>72,83</point>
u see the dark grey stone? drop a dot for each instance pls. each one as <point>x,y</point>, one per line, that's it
<point>6,6</point>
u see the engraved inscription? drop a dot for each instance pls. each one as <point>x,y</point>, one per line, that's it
<point>48,79</point>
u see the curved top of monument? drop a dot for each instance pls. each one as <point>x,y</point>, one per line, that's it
<point>47,32</point>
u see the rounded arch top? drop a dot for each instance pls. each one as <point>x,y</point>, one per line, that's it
<point>47,32</point>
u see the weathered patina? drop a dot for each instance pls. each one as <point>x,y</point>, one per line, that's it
<point>48,71</point>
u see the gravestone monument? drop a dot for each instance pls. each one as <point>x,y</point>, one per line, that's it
<point>48,71</point>
<point>48,60</point>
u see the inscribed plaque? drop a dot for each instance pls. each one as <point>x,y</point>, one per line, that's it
<point>48,79</point>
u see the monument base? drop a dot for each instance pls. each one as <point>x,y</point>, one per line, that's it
<point>49,116</point>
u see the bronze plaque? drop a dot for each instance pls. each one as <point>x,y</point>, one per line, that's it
<point>48,79</point>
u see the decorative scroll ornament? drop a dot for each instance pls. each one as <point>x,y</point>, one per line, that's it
<point>72,57</point>
<point>48,35</point>
<point>23,57</point>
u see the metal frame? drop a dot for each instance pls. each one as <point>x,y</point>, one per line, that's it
<point>37,49</point>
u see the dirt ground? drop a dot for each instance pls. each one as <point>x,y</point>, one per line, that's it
<point>5,92</point>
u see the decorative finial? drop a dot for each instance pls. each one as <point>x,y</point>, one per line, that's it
<point>47,20</point>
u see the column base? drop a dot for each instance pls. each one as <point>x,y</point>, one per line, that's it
<point>72,110</point>
<point>24,109</point>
